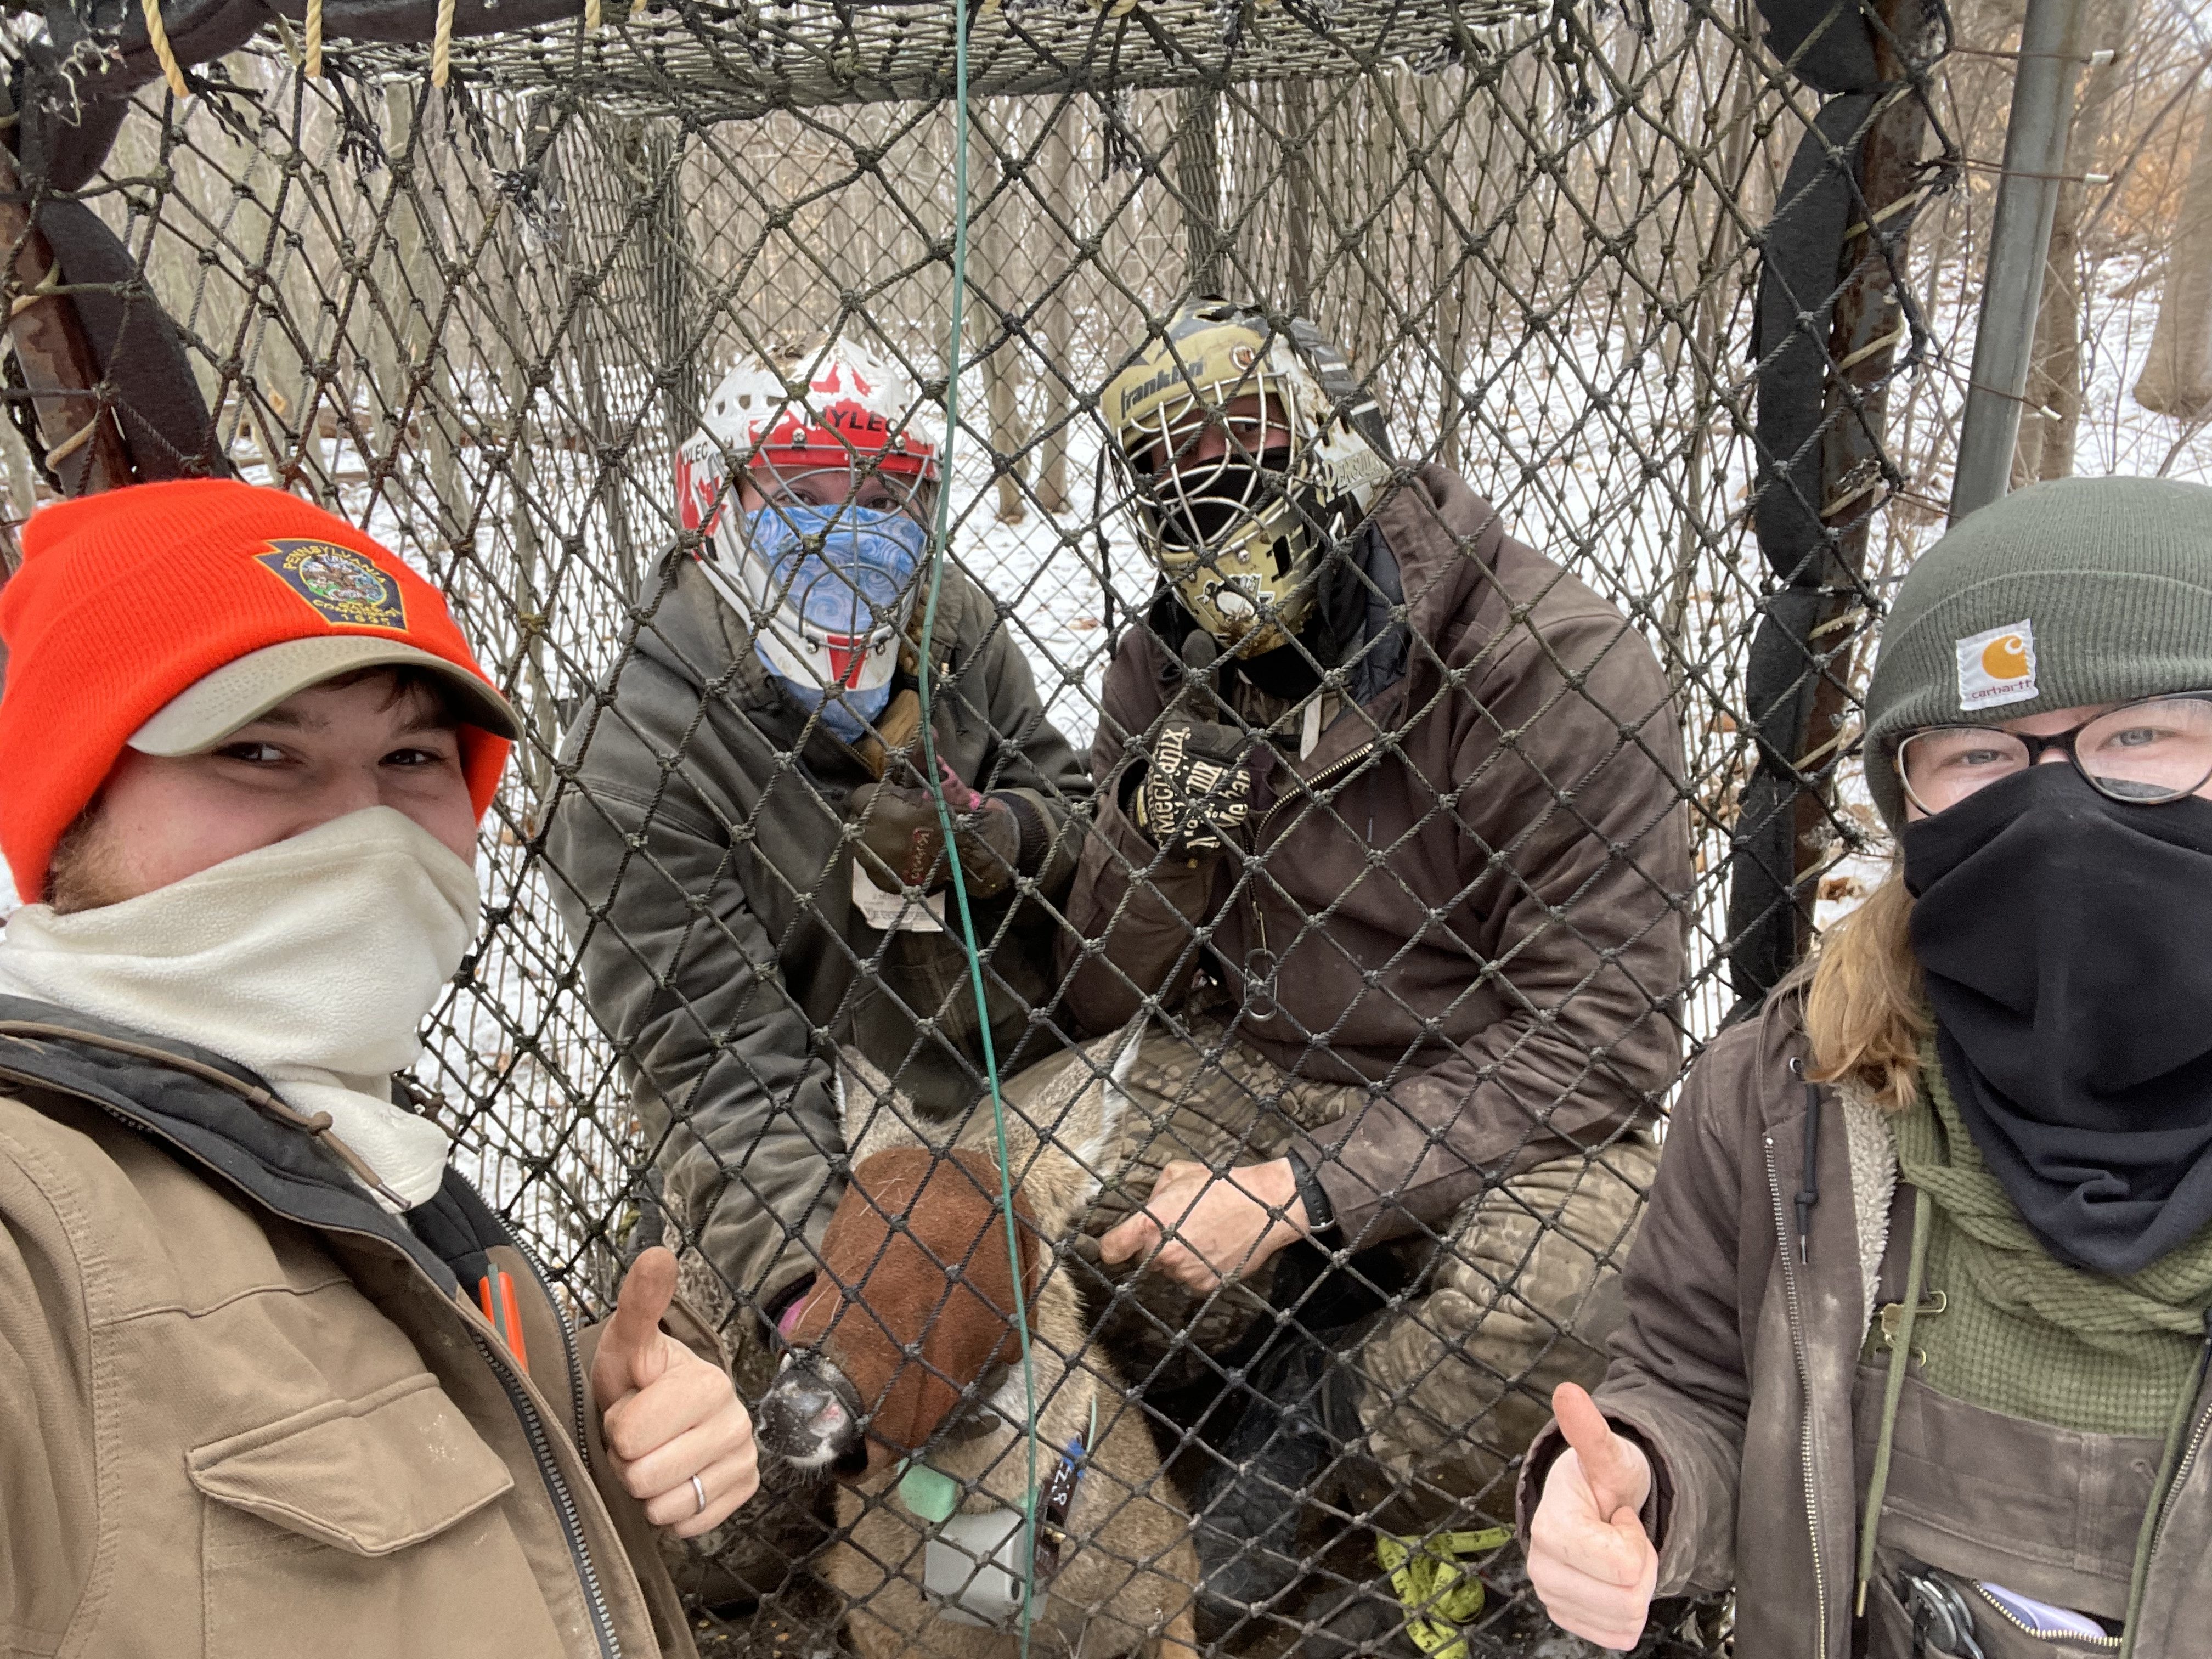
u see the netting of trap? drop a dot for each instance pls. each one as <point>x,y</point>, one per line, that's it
<point>481,320</point>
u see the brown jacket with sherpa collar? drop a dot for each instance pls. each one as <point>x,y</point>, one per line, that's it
<point>1472,888</point>
<point>1743,1371</point>
<point>244,1410</point>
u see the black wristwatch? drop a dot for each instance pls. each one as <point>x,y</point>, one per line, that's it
<point>1321,1215</point>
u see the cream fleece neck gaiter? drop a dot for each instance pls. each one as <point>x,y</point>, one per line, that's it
<point>311,961</point>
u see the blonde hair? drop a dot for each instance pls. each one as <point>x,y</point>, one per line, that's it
<point>1865,1013</point>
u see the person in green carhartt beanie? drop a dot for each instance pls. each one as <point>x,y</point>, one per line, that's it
<point>2079,591</point>
<point>2004,1056</point>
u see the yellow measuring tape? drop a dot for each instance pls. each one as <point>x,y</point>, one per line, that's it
<point>1439,1595</point>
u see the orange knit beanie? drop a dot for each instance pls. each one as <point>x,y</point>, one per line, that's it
<point>126,599</point>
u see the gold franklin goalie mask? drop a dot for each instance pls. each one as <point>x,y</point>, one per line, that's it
<point>1248,452</point>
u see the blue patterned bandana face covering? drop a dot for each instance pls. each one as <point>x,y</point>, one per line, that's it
<point>837,583</point>
<point>849,715</point>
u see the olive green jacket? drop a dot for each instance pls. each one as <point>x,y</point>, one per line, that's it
<point>698,852</point>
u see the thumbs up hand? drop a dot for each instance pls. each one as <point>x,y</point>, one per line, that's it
<point>679,1437</point>
<point>1588,1556</point>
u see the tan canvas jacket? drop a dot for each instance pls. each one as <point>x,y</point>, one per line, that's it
<point>244,1410</point>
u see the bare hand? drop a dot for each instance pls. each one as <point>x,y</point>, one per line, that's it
<point>669,1415</point>
<point>1206,1228</point>
<point>1589,1556</point>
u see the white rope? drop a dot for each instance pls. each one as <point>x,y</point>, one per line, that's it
<point>442,45</point>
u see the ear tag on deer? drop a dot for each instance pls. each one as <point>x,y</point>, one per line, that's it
<point>930,1494</point>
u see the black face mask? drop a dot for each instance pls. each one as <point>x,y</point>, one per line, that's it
<point>2067,942</point>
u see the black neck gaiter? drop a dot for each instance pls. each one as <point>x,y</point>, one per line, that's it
<point>2067,942</point>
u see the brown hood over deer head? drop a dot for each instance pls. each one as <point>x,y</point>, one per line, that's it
<point>915,1301</point>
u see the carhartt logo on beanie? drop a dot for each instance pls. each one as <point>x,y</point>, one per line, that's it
<point>130,599</point>
<point>2077,591</point>
<point>1996,665</point>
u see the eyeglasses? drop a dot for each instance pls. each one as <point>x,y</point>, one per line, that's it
<point>2145,753</point>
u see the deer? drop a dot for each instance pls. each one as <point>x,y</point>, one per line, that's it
<point>904,1379</point>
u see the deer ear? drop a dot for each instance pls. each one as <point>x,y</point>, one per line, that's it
<point>1067,1141</point>
<point>874,1116</point>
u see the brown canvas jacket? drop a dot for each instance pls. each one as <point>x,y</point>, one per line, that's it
<point>243,1411</point>
<point>1735,1370</point>
<point>1472,888</point>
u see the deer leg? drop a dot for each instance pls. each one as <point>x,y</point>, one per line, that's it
<point>1179,1638</point>
<point>1178,1641</point>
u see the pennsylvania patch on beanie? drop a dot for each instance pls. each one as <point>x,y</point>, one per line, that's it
<point>2077,591</point>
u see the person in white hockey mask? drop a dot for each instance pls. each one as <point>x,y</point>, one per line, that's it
<point>748,857</point>
<point>273,1368</point>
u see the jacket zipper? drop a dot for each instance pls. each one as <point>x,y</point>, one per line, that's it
<point>564,1501</point>
<point>1805,1387</point>
<point>549,1468</point>
<point>1309,785</point>
<point>2010,1618</point>
<point>1252,889</point>
<point>2181,1476</point>
<point>567,1339</point>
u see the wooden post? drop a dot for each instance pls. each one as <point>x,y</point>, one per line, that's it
<point>1817,618</point>
<point>84,443</point>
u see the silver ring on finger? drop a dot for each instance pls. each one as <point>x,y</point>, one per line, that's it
<point>699,1491</point>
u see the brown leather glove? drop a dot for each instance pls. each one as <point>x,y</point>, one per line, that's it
<point>902,841</point>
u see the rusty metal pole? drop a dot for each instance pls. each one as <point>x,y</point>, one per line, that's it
<point>2020,244</point>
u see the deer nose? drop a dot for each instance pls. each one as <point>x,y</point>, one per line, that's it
<point>810,1415</point>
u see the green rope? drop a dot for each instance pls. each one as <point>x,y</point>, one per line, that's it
<point>940,541</point>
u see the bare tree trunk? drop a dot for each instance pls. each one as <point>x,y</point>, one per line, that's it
<point>1056,318</point>
<point>1719,253</point>
<point>22,476</point>
<point>989,292</point>
<point>532,602</point>
<point>421,391</point>
<point>591,371</point>
<point>1446,273</point>
<point>1198,182</point>
<point>2176,379</point>
<point>2051,422</point>
<point>672,297</point>
<point>1299,220</point>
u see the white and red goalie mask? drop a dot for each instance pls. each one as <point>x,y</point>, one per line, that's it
<point>820,549</point>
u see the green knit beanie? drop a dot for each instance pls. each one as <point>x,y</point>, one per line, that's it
<point>2078,591</point>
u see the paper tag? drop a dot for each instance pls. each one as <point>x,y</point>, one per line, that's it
<point>1996,667</point>
<point>2040,1618</point>
<point>892,912</point>
<point>1310,728</point>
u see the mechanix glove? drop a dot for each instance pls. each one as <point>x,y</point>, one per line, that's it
<point>901,840</point>
<point>1194,794</point>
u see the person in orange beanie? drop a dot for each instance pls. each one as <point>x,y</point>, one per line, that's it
<point>275,1369</point>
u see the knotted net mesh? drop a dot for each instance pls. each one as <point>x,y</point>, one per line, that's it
<point>1590,795</point>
